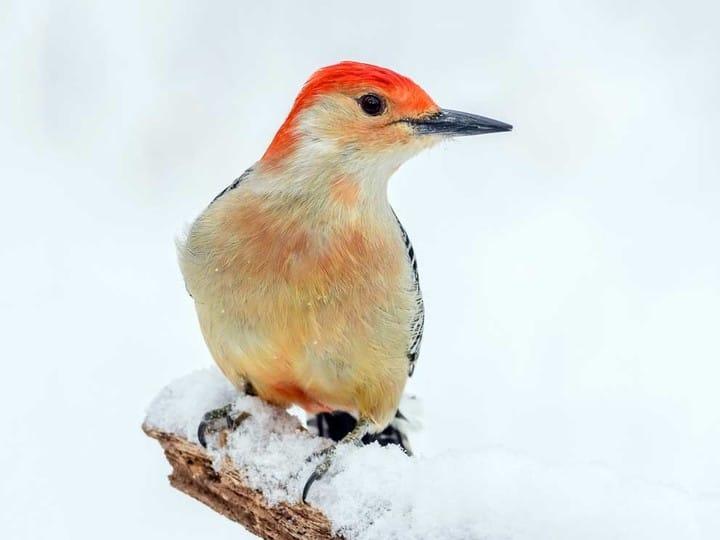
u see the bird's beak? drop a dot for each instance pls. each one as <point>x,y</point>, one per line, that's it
<point>456,123</point>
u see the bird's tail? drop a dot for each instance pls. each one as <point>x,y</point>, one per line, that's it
<point>336,425</point>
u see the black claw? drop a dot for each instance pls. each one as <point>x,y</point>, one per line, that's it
<point>310,481</point>
<point>212,422</point>
<point>202,428</point>
<point>326,453</point>
<point>353,438</point>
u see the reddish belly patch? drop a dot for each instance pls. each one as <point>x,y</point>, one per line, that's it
<point>294,394</point>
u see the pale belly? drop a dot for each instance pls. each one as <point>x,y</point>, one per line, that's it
<point>321,353</point>
<point>316,316</point>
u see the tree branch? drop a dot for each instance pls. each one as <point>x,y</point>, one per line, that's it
<point>226,493</point>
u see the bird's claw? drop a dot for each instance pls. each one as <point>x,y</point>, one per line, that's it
<point>353,438</point>
<point>218,420</point>
<point>320,470</point>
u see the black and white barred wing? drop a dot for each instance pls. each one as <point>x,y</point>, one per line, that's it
<point>418,321</point>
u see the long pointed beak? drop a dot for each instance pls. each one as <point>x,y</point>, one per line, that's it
<point>456,123</point>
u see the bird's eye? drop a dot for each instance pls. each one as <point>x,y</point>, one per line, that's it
<point>372,104</point>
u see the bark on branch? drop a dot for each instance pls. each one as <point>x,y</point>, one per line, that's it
<point>226,493</point>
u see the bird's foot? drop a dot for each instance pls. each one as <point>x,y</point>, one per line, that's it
<point>219,420</point>
<point>328,454</point>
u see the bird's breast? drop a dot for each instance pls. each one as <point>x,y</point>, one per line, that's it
<point>280,246</point>
<point>305,308</point>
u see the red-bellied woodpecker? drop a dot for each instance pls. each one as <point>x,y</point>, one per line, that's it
<point>304,281</point>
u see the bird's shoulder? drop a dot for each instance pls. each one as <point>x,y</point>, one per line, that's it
<point>235,183</point>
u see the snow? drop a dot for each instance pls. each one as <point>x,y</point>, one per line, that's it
<point>485,493</point>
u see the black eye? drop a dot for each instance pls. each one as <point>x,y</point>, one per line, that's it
<point>372,104</point>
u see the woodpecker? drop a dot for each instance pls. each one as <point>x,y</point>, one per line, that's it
<point>304,281</point>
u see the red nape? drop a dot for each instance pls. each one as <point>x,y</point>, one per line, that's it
<point>407,98</point>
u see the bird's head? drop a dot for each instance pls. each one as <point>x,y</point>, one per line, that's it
<point>369,116</point>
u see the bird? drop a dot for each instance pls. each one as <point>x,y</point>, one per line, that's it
<point>304,281</point>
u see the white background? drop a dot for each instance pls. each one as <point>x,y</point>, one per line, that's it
<point>571,268</point>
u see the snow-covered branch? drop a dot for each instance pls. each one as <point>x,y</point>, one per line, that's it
<point>224,490</point>
<point>255,476</point>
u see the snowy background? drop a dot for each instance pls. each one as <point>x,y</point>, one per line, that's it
<point>571,269</point>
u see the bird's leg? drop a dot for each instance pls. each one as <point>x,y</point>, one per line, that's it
<point>219,419</point>
<point>328,454</point>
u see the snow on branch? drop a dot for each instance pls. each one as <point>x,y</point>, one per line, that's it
<point>255,476</point>
<point>226,492</point>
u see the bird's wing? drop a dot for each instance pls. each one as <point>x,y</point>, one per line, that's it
<point>234,184</point>
<point>418,321</point>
